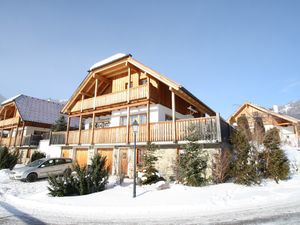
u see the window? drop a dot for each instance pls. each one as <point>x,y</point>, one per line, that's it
<point>126,85</point>
<point>48,163</point>
<point>140,118</point>
<point>143,81</point>
<point>168,117</point>
<point>59,161</point>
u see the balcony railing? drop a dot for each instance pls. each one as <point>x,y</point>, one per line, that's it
<point>208,130</point>
<point>139,92</point>
<point>9,122</point>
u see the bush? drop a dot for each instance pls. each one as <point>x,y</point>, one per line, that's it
<point>150,174</point>
<point>8,159</point>
<point>84,181</point>
<point>221,168</point>
<point>37,155</point>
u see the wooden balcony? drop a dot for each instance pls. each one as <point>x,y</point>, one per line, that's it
<point>139,92</point>
<point>9,122</point>
<point>209,130</point>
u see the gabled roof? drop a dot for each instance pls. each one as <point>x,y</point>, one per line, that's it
<point>36,110</point>
<point>127,58</point>
<point>265,110</point>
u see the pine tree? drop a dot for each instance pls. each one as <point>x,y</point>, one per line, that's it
<point>60,124</point>
<point>243,126</point>
<point>8,159</point>
<point>193,162</point>
<point>244,169</point>
<point>277,164</point>
<point>150,173</point>
<point>259,130</point>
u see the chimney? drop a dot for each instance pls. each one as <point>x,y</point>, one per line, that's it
<point>275,108</point>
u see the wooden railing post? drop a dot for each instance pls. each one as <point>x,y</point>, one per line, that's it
<point>10,136</point>
<point>80,126</point>
<point>218,124</point>
<point>17,130</point>
<point>22,134</point>
<point>93,129</point>
<point>1,136</point>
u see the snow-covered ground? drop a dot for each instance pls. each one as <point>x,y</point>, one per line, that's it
<point>177,205</point>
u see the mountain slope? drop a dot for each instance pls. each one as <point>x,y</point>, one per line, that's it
<point>291,109</point>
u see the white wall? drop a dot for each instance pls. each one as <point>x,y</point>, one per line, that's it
<point>28,130</point>
<point>50,150</point>
<point>157,113</point>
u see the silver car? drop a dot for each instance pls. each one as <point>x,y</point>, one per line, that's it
<point>42,168</point>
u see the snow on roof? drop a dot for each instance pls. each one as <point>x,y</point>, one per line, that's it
<point>10,99</point>
<point>108,60</point>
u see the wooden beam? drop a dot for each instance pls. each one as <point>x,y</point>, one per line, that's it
<point>101,78</point>
<point>95,92</point>
<point>22,134</point>
<point>68,129</point>
<point>10,136</point>
<point>128,86</point>
<point>17,130</point>
<point>86,94</point>
<point>148,86</point>
<point>1,136</point>
<point>128,125</point>
<point>93,129</point>
<point>148,121</point>
<point>173,116</point>
<point>81,103</point>
<point>80,127</point>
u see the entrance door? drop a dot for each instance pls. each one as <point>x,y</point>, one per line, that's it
<point>82,156</point>
<point>108,152</point>
<point>123,161</point>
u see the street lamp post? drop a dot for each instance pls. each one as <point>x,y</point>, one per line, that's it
<point>135,128</point>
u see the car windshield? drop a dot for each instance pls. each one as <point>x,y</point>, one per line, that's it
<point>36,163</point>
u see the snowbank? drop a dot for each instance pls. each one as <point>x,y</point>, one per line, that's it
<point>293,155</point>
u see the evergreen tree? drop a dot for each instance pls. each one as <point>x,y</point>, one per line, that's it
<point>150,173</point>
<point>37,155</point>
<point>8,159</point>
<point>277,164</point>
<point>259,130</point>
<point>245,168</point>
<point>243,126</point>
<point>193,162</point>
<point>60,124</point>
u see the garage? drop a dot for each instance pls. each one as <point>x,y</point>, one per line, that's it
<point>108,152</point>
<point>81,156</point>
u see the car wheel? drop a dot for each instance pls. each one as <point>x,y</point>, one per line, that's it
<point>31,177</point>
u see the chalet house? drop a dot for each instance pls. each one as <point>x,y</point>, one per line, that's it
<point>288,126</point>
<point>24,121</point>
<point>116,92</point>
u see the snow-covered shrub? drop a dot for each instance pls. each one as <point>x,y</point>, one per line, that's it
<point>8,159</point>
<point>82,181</point>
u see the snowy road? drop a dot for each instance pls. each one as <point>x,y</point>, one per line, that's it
<point>288,214</point>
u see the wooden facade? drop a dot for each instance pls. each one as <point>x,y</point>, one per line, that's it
<point>124,84</point>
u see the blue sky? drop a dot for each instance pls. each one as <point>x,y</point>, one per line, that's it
<point>224,52</point>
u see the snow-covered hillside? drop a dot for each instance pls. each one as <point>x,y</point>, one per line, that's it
<point>291,109</point>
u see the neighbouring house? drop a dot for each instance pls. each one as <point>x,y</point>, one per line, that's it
<point>116,92</point>
<point>24,121</point>
<point>288,126</point>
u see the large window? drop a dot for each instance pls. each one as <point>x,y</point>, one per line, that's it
<point>140,118</point>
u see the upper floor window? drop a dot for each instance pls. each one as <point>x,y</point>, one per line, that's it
<point>143,81</point>
<point>126,85</point>
<point>140,118</point>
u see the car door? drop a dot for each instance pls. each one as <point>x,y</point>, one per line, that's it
<point>47,168</point>
<point>60,166</point>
